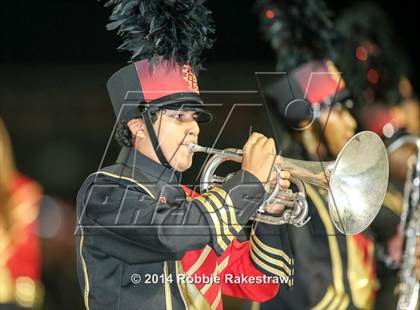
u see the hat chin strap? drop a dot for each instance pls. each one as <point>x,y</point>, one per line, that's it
<point>155,142</point>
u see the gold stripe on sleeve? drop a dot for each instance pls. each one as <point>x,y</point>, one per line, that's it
<point>215,220</point>
<point>269,259</point>
<point>268,268</point>
<point>270,249</point>
<point>229,205</point>
<point>223,215</point>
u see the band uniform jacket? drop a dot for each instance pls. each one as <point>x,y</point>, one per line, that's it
<point>20,259</point>
<point>332,271</point>
<point>139,232</point>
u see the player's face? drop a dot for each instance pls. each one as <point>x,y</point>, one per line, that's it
<point>175,129</point>
<point>339,128</point>
<point>398,162</point>
<point>411,110</point>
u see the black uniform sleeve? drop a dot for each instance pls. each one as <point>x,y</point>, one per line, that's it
<point>131,224</point>
<point>228,208</point>
<point>271,251</point>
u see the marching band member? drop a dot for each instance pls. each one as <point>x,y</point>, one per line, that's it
<point>20,270</point>
<point>311,105</point>
<point>140,232</point>
<point>377,70</point>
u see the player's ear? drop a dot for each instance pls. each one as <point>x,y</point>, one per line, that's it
<point>136,127</point>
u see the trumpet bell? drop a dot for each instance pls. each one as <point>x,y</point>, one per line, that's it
<point>358,183</point>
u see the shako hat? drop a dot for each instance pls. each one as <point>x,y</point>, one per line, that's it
<point>302,37</point>
<point>143,86</point>
<point>166,39</point>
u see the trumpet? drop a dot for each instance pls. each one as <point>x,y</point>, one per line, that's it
<point>353,201</point>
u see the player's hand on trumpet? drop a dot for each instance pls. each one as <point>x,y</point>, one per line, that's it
<point>283,180</point>
<point>259,155</point>
<point>259,158</point>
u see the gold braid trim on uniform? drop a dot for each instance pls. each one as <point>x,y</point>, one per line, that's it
<point>215,220</point>
<point>207,286</point>
<point>229,204</point>
<point>344,303</point>
<point>338,292</point>
<point>338,301</point>
<point>359,273</point>
<point>191,296</point>
<point>222,212</point>
<point>329,295</point>
<point>168,294</point>
<point>394,202</point>
<point>270,249</point>
<point>218,299</point>
<point>272,270</point>
<point>219,215</point>
<point>255,305</point>
<point>124,178</point>
<point>219,268</point>
<point>276,262</point>
<point>85,272</point>
<point>206,251</point>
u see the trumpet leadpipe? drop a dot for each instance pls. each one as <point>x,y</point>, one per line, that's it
<point>194,148</point>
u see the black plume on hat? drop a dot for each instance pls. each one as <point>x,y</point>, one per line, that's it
<point>370,54</point>
<point>303,37</point>
<point>299,31</point>
<point>166,39</point>
<point>178,30</point>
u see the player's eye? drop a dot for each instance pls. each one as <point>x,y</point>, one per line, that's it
<point>179,116</point>
<point>195,117</point>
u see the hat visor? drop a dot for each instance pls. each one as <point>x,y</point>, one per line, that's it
<point>185,102</point>
<point>203,115</point>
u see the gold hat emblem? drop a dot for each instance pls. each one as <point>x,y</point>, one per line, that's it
<point>190,78</point>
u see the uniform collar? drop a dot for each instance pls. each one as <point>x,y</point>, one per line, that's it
<point>157,172</point>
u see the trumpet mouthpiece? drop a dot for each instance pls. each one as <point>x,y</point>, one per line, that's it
<point>192,148</point>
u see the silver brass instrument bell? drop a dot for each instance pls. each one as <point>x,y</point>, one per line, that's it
<point>356,181</point>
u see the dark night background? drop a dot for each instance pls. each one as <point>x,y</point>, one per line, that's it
<point>55,58</point>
